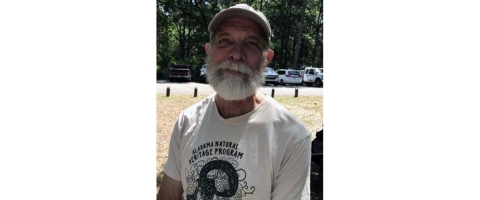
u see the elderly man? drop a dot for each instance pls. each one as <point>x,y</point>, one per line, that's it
<point>237,143</point>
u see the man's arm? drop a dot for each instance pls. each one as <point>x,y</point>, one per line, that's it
<point>170,189</point>
<point>293,180</point>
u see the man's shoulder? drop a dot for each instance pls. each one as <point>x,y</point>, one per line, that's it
<point>199,107</point>
<point>280,111</point>
<point>284,119</point>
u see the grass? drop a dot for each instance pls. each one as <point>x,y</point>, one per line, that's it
<point>309,109</point>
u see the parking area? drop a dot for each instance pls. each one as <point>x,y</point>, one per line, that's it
<point>186,88</point>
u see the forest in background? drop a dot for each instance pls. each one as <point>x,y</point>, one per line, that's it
<point>297,32</point>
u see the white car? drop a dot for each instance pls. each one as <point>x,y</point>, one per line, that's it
<point>313,75</point>
<point>289,76</point>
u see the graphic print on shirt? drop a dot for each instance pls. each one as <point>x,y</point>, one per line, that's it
<point>218,177</point>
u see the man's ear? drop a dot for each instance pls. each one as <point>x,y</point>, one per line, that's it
<point>269,56</point>
<point>207,47</point>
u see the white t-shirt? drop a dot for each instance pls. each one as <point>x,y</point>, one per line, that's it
<point>264,154</point>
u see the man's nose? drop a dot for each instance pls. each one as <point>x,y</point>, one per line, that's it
<point>237,53</point>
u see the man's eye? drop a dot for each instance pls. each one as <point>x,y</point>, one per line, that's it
<point>223,41</point>
<point>252,44</point>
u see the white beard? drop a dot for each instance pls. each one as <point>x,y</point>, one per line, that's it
<point>233,87</point>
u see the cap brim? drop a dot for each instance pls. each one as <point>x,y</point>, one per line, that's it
<point>238,12</point>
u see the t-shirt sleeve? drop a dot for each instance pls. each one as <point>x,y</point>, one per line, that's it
<point>293,181</point>
<point>173,165</point>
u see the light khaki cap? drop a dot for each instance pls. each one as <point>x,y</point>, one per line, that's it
<point>243,11</point>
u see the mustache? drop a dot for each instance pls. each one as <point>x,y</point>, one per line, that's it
<point>243,68</point>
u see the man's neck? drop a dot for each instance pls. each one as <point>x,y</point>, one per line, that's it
<point>228,109</point>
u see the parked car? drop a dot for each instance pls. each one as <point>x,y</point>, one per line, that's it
<point>271,77</point>
<point>313,75</point>
<point>289,76</point>
<point>179,72</point>
<point>203,73</point>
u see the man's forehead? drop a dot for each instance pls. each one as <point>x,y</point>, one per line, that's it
<point>241,22</point>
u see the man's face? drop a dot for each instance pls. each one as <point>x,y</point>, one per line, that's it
<point>236,59</point>
<point>239,40</point>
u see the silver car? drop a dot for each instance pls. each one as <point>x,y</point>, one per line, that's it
<point>271,77</point>
<point>203,73</point>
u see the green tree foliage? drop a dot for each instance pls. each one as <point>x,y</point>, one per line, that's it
<point>182,30</point>
<point>164,40</point>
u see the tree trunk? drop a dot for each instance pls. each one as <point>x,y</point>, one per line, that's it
<point>317,43</point>
<point>299,37</point>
